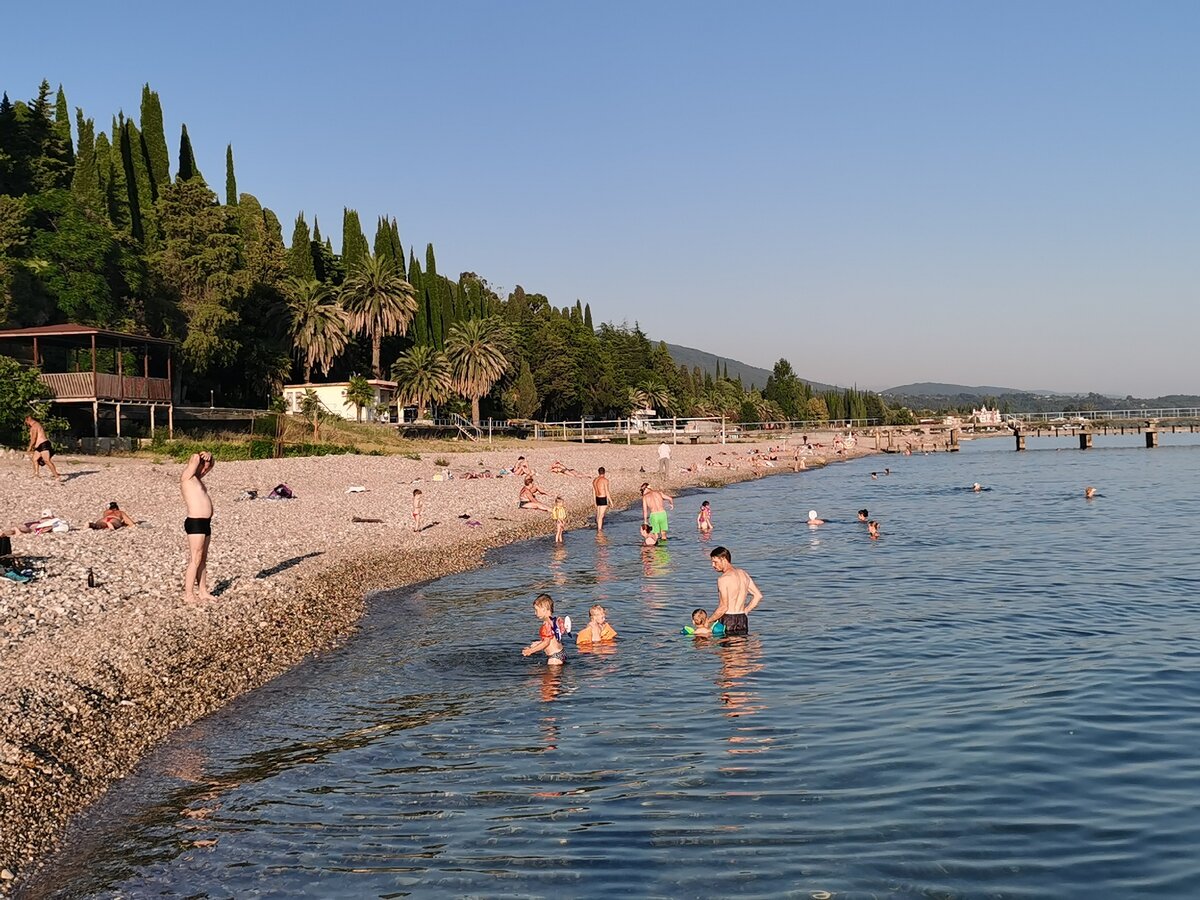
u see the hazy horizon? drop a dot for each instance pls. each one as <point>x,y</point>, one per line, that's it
<point>882,194</point>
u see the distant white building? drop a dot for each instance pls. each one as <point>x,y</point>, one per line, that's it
<point>333,397</point>
<point>986,416</point>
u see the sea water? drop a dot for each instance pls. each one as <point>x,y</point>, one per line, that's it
<point>996,698</point>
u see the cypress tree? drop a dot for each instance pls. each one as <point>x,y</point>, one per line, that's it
<point>231,194</point>
<point>420,325</point>
<point>62,127</point>
<point>299,255</point>
<point>103,152</point>
<point>187,159</point>
<point>446,295</point>
<point>587,316</point>
<point>383,240</point>
<point>140,179</point>
<point>154,136</point>
<point>318,254</point>
<point>117,187</point>
<point>127,142</point>
<point>398,249</point>
<point>354,243</point>
<point>85,184</point>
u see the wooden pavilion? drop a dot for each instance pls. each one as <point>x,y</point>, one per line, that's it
<point>77,357</point>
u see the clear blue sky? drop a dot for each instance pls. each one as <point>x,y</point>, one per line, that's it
<point>886,192</point>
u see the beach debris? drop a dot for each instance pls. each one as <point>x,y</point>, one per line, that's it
<point>366,520</point>
<point>355,489</point>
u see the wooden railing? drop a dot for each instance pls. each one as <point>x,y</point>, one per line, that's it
<point>101,386</point>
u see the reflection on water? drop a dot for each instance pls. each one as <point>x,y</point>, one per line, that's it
<point>995,700</point>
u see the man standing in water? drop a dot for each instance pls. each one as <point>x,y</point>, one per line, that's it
<point>600,490</point>
<point>40,448</point>
<point>653,513</point>
<point>733,584</point>
<point>197,525</point>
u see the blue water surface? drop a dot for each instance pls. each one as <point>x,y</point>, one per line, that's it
<point>998,698</point>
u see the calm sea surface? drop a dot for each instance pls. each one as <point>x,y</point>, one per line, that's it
<point>1000,697</point>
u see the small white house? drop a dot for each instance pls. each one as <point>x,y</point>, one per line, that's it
<point>333,397</point>
<point>986,416</point>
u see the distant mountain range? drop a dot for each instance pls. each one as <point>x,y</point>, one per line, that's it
<point>936,389</point>
<point>750,375</point>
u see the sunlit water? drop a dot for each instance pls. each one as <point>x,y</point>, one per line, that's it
<point>997,698</point>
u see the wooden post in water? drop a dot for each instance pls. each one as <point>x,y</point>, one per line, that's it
<point>1151,438</point>
<point>952,443</point>
<point>1085,440</point>
<point>1020,440</point>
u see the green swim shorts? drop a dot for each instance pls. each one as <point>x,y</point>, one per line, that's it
<point>658,522</point>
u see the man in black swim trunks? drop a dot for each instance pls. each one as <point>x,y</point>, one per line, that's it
<point>197,525</point>
<point>733,585</point>
<point>40,447</point>
<point>600,490</point>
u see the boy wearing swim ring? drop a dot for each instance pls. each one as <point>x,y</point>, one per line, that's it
<point>700,626</point>
<point>550,635</point>
<point>597,628</point>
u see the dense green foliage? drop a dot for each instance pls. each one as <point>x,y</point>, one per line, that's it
<point>21,395</point>
<point>98,233</point>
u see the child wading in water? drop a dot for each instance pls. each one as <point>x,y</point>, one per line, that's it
<point>704,520</point>
<point>417,498</point>
<point>597,628</point>
<point>648,538</point>
<point>559,515</point>
<point>551,633</point>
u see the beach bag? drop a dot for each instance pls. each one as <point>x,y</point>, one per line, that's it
<point>281,492</point>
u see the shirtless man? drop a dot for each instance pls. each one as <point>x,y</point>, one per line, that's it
<point>197,525</point>
<point>40,448</point>
<point>653,513</point>
<point>527,499</point>
<point>733,584</point>
<point>600,489</point>
<point>521,467</point>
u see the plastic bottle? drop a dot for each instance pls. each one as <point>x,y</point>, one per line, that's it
<point>91,579</point>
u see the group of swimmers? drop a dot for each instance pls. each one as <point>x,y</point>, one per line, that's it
<point>737,597</point>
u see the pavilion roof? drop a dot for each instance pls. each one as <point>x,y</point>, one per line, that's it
<point>69,330</point>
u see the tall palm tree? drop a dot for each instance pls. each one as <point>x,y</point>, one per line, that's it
<point>475,349</point>
<point>422,375</point>
<point>318,324</point>
<point>379,302</point>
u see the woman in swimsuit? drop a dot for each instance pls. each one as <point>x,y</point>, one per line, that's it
<point>527,499</point>
<point>113,518</point>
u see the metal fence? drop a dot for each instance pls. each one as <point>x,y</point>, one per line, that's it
<point>696,430</point>
<point>1105,415</point>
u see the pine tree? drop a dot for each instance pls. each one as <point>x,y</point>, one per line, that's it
<point>187,159</point>
<point>231,194</point>
<point>354,243</point>
<point>300,257</point>
<point>62,126</point>
<point>154,137</point>
<point>85,184</point>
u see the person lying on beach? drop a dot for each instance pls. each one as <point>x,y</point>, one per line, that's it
<point>528,498</point>
<point>597,629</point>
<point>551,633</point>
<point>559,469</point>
<point>704,518</point>
<point>112,518</point>
<point>700,626</point>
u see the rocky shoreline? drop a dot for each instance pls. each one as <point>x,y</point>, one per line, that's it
<point>90,680</point>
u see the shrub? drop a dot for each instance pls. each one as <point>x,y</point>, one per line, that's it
<point>441,461</point>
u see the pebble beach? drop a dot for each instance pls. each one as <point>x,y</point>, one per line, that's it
<point>91,678</point>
